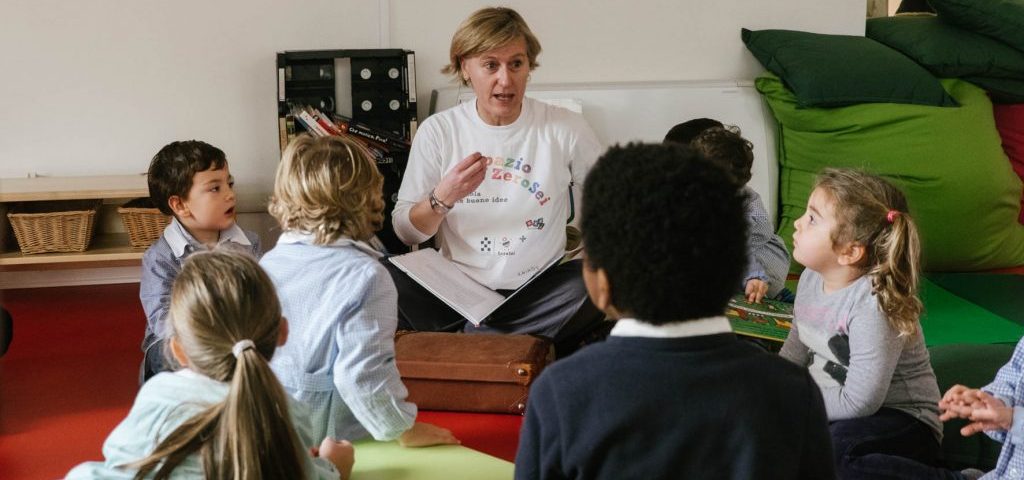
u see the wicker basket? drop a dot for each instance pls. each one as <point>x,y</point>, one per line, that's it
<point>57,226</point>
<point>143,221</point>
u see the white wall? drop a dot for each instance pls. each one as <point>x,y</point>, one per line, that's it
<point>97,87</point>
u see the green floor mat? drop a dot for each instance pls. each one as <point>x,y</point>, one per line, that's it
<point>949,318</point>
<point>389,461</point>
<point>1001,294</point>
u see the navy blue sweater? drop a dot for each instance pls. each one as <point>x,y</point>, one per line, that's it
<point>697,407</point>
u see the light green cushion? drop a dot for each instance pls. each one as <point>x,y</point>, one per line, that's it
<point>948,162</point>
<point>946,50</point>
<point>389,461</point>
<point>836,70</point>
<point>1000,19</point>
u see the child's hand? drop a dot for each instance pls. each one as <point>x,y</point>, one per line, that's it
<point>952,404</point>
<point>993,414</point>
<point>959,402</point>
<point>340,453</point>
<point>756,290</point>
<point>425,435</point>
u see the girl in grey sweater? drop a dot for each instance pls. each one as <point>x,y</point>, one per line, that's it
<point>856,326</point>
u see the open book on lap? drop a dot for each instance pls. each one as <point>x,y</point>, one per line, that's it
<point>443,278</point>
<point>770,320</point>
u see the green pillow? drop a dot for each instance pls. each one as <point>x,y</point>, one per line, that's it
<point>999,19</point>
<point>949,162</point>
<point>945,50</point>
<point>837,70</point>
<point>974,366</point>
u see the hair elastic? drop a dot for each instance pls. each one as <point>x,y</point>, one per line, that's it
<point>241,346</point>
<point>891,216</point>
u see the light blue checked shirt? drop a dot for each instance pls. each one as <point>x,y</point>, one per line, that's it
<point>342,311</point>
<point>162,262</point>
<point>1008,388</point>
<point>767,256</point>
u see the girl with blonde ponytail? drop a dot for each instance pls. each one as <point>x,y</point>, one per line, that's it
<point>856,326</point>
<point>223,415</point>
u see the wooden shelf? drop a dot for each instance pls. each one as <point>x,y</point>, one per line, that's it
<point>112,247</point>
<point>73,188</point>
<point>106,249</point>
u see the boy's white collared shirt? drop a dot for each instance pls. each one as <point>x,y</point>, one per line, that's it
<point>178,238</point>
<point>630,327</point>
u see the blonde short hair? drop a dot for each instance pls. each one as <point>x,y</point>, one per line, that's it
<point>489,29</point>
<point>329,187</point>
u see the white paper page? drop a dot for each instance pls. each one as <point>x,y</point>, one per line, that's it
<point>442,278</point>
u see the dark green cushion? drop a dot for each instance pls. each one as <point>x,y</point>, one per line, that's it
<point>949,162</point>
<point>1002,90</point>
<point>837,70</point>
<point>974,366</point>
<point>946,50</point>
<point>999,19</point>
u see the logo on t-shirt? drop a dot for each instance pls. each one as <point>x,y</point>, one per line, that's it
<point>535,224</point>
<point>516,171</point>
<point>485,245</point>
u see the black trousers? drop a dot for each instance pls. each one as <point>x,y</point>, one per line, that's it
<point>555,305</point>
<point>887,445</point>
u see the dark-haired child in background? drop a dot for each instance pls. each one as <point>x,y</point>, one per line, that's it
<point>189,180</point>
<point>672,393</point>
<point>767,258</point>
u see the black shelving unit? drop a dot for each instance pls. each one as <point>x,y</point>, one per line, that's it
<point>383,96</point>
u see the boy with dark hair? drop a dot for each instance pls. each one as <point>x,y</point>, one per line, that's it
<point>685,132</point>
<point>672,393</point>
<point>767,257</point>
<point>189,180</point>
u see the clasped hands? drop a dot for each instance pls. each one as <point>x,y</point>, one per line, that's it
<point>982,410</point>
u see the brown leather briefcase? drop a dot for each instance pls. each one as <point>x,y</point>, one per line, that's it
<point>468,372</point>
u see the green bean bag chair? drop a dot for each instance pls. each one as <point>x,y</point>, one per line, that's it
<point>949,163</point>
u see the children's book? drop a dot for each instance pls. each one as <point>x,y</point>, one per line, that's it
<point>443,278</point>
<point>770,320</point>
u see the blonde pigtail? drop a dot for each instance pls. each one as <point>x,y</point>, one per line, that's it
<point>872,212</point>
<point>226,319</point>
<point>896,273</point>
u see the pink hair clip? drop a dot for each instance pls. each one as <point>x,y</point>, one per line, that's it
<point>891,216</point>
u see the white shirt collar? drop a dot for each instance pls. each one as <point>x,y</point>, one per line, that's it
<point>294,236</point>
<point>629,327</point>
<point>178,238</point>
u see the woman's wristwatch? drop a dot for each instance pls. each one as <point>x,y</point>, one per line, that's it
<point>437,205</point>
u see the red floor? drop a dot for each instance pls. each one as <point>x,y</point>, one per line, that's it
<point>71,374</point>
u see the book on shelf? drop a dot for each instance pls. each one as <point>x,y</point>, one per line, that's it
<point>286,130</point>
<point>442,277</point>
<point>310,123</point>
<point>383,137</point>
<point>325,122</point>
<point>770,319</point>
<point>282,132</point>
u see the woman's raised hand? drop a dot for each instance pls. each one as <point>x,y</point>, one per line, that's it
<point>462,180</point>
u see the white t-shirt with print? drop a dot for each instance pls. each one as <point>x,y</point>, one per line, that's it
<point>514,223</point>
